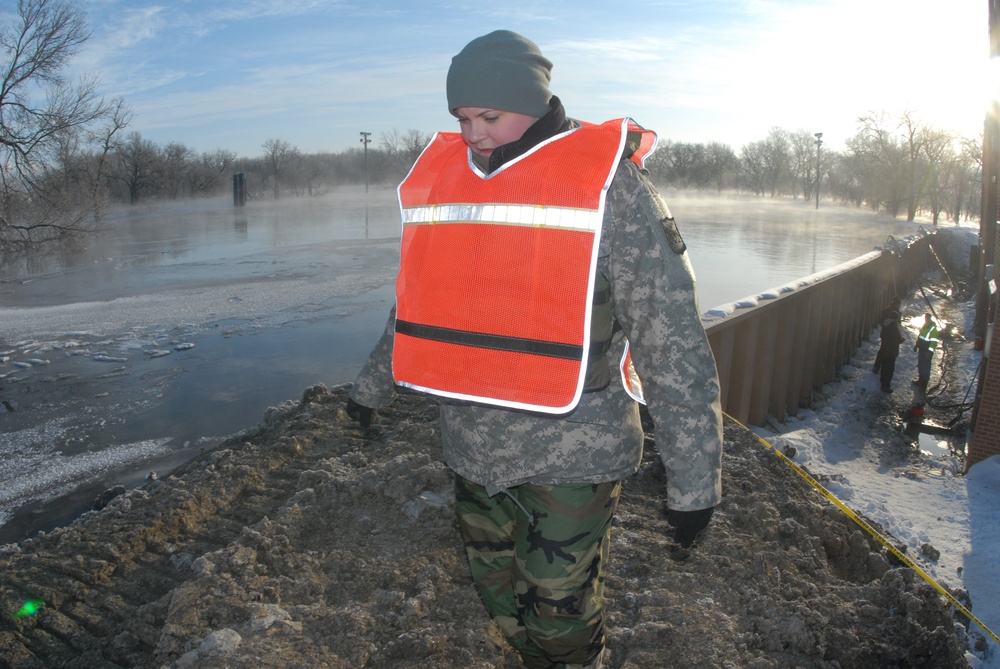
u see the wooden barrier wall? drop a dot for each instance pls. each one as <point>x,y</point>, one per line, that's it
<point>774,349</point>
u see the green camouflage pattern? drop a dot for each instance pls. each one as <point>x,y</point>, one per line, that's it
<point>653,288</point>
<point>537,554</point>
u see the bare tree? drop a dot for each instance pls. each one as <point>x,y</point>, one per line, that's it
<point>72,183</point>
<point>967,185</point>
<point>41,116</point>
<point>720,163</point>
<point>803,162</point>
<point>177,163</point>
<point>279,155</point>
<point>106,140</point>
<point>138,167</point>
<point>753,166</point>
<point>207,175</point>
<point>684,165</point>
<point>915,136</point>
<point>403,149</point>
<point>684,161</point>
<point>938,162</point>
<point>881,160</point>
<point>219,160</point>
<point>314,174</point>
<point>907,154</point>
<point>776,154</point>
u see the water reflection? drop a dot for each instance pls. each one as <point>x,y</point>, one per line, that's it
<point>241,224</point>
<point>739,245</point>
<point>140,247</point>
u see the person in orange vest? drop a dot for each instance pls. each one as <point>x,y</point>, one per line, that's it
<point>544,292</point>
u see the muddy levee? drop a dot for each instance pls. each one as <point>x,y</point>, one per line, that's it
<point>309,541</point>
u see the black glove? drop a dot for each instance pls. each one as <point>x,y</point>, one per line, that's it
<point>689,524</point>
<point>359,412</point>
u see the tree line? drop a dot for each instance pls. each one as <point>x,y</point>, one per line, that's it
<point>67,154</point>
<point>893,163</point>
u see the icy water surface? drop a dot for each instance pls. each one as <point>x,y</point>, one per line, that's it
<point>180,324</point>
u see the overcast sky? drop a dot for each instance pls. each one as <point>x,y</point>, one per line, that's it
<point>234,73</point>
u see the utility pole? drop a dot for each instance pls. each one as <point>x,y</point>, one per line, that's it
<point>819,175</point>
<point>366,141</point>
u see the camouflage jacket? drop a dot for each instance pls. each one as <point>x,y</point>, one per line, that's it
<point>652,282</point>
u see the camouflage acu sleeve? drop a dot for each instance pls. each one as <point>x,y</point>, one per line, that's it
<point>374,386</point>
<point>654,292</point>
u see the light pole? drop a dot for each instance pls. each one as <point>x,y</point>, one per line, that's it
<point>819,176</point>
<point>366,141</point>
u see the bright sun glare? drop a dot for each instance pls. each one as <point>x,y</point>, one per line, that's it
<point>893,57</point>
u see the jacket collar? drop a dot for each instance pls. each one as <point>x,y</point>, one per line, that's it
<point>551,124</point>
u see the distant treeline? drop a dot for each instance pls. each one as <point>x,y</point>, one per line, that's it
<point>66,153</point>
<point>892,164</point>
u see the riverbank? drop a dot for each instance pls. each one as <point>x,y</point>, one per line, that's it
<point>309,541</point>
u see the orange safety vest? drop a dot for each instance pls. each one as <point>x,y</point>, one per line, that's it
<point>496,279</point>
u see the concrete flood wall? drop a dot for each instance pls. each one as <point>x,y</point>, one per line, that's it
<point>774,349</point>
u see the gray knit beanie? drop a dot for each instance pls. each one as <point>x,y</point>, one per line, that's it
<point>502,71</point>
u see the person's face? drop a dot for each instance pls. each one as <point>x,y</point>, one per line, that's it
<point>485,129</point>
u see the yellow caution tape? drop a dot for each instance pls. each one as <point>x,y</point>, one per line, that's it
<point>905,559</point>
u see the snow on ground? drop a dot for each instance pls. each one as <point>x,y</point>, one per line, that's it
<point>910,484</point>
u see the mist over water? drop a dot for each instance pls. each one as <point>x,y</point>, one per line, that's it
<point>741,246</point>
<point>180,324</point>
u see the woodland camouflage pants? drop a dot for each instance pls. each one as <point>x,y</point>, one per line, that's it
<point>537,554</point>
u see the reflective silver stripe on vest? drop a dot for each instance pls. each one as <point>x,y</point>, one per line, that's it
<point>504,214</point>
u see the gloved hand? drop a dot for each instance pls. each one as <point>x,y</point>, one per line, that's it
<point>689,524</point>
<point>359,412</point>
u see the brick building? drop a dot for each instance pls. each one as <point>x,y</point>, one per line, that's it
<point>985,439</point>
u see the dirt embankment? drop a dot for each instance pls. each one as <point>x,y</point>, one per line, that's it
<point>312,542</point>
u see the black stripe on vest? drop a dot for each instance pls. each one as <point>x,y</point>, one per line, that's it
<point>496,342</point>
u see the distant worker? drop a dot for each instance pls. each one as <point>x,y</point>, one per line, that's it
<point>894,309</point>
<point>927,342</point>
<point>891,336</point>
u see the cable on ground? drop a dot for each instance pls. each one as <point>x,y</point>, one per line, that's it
<point>865,525</point>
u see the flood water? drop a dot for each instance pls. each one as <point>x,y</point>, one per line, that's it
<point>178,325</point>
